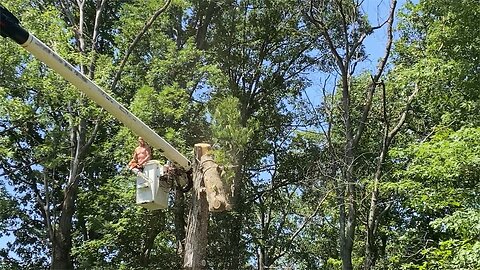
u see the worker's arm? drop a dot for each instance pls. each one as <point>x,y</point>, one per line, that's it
<point>133,162</point>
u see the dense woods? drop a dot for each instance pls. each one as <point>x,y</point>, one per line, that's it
<point>336,158</point>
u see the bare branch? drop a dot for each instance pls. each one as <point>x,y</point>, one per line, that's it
<point>322,27</point>
<point>400,123</point>
<point>135,42</point>
<point>388,46</point>
<point>300,229</point>
<point>365,113</point>
<point>376,77</point>
<point>98,12</point>
<point>345,30</point>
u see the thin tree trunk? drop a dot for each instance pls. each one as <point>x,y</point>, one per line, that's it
<point>236,221</point>
<point>261,264</point>
<point>350,223</point>
<point>180,224</point>
<point>370,246</point>
<point>371,252</point>
<point>62,242</point>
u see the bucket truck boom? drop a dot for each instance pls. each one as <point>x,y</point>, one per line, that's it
<point>10,27</point>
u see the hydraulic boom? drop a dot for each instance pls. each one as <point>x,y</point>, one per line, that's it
<point>10,27</point>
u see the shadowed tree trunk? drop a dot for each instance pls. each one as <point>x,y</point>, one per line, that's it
<point>208,194</point>
<point>196,241</point>
<point>79,147</point>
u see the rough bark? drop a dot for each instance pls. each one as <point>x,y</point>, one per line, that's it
<point>216,197</point>
<point>196,241</point>
<point>180,224</point>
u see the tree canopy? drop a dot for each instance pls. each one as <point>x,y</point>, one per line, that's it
<point>332,159</point>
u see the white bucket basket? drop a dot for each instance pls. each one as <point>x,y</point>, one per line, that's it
<point>152,193</point>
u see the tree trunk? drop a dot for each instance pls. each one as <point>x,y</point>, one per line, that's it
<point>372,222</point>
<point>261,259</point>
<point>370,246</point>
<point>344,53</point>
<point>371,249</point>
<point>348,235</point>
<point>196,241</point>
<point>347,222</point>
<point>180,224</point>
<point>62,242</point>
<point>236,221</point>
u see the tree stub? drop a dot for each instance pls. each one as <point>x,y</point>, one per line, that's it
<point>216,197</point>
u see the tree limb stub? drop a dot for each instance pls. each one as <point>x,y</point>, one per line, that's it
<point>217,200</point>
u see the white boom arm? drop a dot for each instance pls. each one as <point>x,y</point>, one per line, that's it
<point>67,71</point>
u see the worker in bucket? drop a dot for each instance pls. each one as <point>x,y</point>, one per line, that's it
<point>141,155</point>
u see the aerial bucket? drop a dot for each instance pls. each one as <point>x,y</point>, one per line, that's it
<point>152,189</point>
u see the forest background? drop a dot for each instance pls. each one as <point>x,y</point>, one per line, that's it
<point>336,160</point>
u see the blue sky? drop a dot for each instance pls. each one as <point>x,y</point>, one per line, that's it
<point>377,12</point>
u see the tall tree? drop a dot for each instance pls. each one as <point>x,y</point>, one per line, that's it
<point>343,27</point>
<point>43,156</point>
<point>262,54</point>
<point>433,48</point>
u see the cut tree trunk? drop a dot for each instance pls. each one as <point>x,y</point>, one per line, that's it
<point>196,241</point>
<point>208,194</point>
<point>217,200</point>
